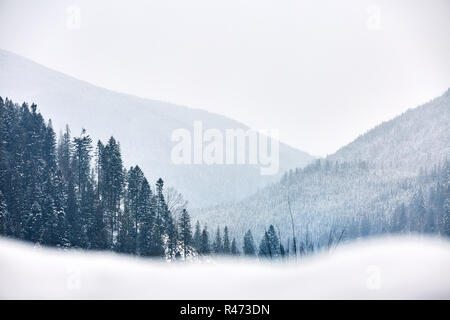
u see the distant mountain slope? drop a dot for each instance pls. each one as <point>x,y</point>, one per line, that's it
<point>420,137</point>
<point>142,126</point>
<point>358,188</point>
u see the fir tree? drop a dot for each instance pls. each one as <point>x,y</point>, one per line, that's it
<point>147,217</point>
<point>204,245</point>
<point>218,245</point>
<point>234,249</point>
<point>249,244</point>
<point>226,241</point>
<point>3,215</point>
<point>197,236</point>
<point>172,237</point>
<point>185,231</point>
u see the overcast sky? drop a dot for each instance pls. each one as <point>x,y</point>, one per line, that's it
<point>321,71</point>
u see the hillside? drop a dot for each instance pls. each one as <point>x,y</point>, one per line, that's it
<point>420,137</point>
<point>142,126</point>
<point>359,188</point>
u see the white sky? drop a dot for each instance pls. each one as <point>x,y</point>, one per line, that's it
<point>320,71</point>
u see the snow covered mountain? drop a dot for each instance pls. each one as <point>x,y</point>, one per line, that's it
<point>142,126</point>
<point>359,188</point>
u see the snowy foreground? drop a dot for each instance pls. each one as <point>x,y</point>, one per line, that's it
<point>392,268</point>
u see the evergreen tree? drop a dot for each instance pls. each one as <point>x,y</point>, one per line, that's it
<point>197,236</point>
<point>81,159</point>
<point>72,215</point>
<point>50,223</point>
<point>162,208</point>
<point>264,248</point>
<point>234,249</point>
<point>126,241</point>
<point>217,245</point>
<point>185,231</point>
<point>249,244</point>
<point>97,230</point>
<point>172,237</point>
<point>64,152</point>
<point>34,227</point>
<point>3,215</point>
<point>273,240</point>
<point>156,243</point>
<point>226,241</point>
<point>133,197</point>
<point>147,217</point>
<point>111,185</point>
<point>418,212</point>
<point>270,244</point>
<point>204,245</point>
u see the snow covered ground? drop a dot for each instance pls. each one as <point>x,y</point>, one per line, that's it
<point>389,268</point>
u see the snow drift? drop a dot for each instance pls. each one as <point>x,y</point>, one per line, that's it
<point>389,268</point>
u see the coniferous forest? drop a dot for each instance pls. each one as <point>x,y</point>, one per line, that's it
<point>68,193</point>
<point>72,192</point>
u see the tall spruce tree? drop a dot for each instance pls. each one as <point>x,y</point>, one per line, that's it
<point>146,209</point>
<point>197,236</point>
<point>185,231</point>
<point>218,244</point>
<point>234,249</point>
<point>205,247</point>
<point>226,242</point>
<point>249,244</point>
<point>111,186</point>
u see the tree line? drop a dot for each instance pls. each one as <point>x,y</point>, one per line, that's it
<point>67,193</point>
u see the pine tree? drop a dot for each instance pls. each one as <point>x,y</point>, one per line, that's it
<point>226,241</point>
<point>126,240</point>
<point>218,245</point>
<point>264,248</point>
<point>64,152</point>
<point>34,227</point>
<point>197,236</point>
<point>50,223</point>
<point>72,215</point>
<point>249,244</point>
<point>234,249</point>
<point>133,200</point>
<point>146,208</point>
<point>172,237</point>
<point>156,243</point>
<point>97,230</point>
<point>185,231</point>
<point>89,210</point>
<point>80,163</point>
<point>111,185</point>
<point>273,240</point>
<point>204,245</point>
<point>3,215</point>
<point>418,211</point>
<point>162,208</point>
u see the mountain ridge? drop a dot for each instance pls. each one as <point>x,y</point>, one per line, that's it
<point>357,184</point>
<point>143,126</point>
